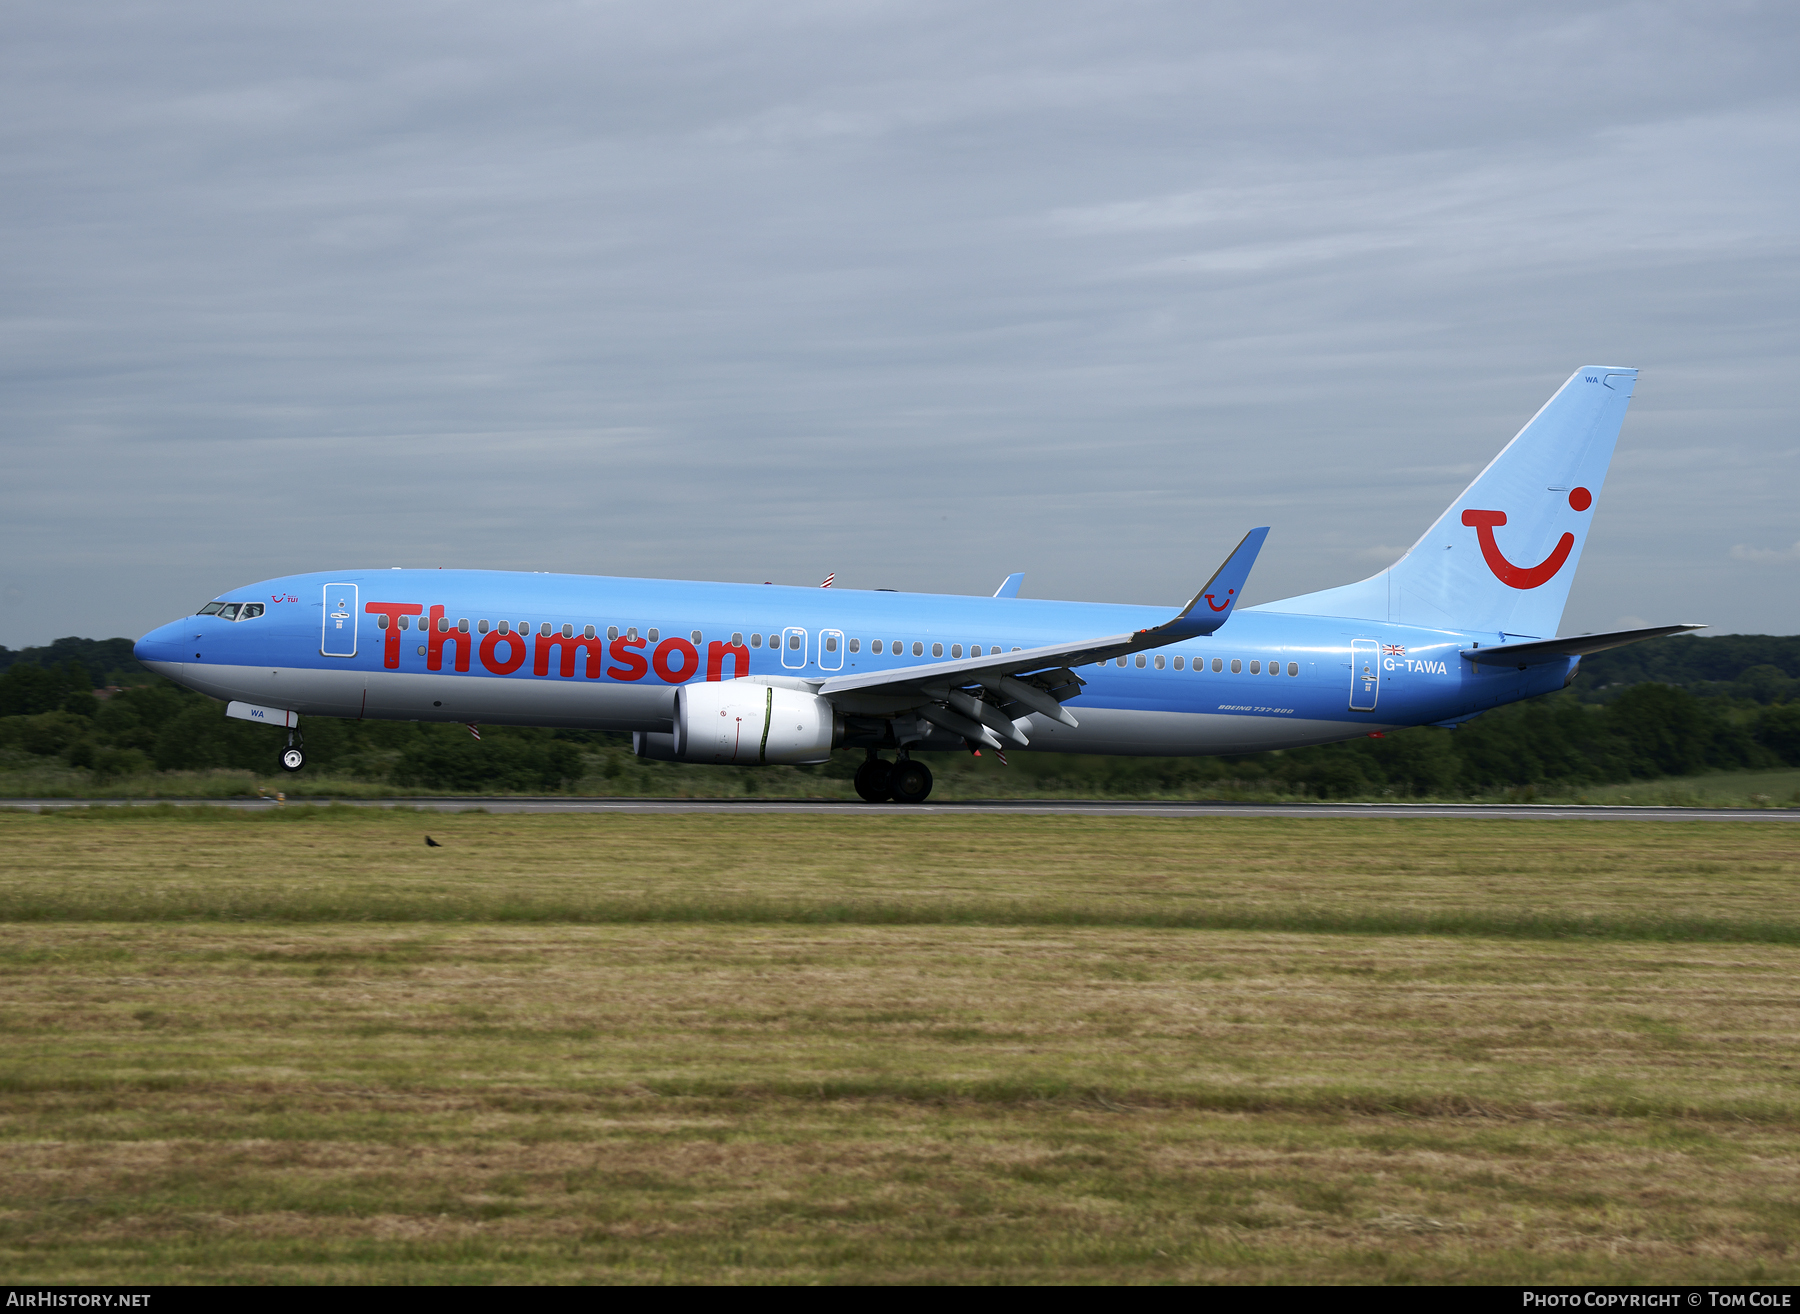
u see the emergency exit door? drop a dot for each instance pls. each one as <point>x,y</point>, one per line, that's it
<point>1365,674</point>
<point>339,636</point>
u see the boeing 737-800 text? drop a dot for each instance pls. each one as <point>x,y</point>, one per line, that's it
<point>734,673</point>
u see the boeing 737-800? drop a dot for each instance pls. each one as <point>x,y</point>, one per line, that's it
<point>742,674</point>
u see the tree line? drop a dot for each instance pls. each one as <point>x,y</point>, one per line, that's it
<point>1669,707</point>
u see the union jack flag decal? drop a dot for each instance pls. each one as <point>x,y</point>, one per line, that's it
<point>1393,650</point>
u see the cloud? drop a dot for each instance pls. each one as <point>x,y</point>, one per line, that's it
<point>1743,553</point>
<point>921,293</point>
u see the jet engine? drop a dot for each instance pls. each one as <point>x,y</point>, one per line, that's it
<point>739,723</point>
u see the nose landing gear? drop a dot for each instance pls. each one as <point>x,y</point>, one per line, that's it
<point>293,757</point>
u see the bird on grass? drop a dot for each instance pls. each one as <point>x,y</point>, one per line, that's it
<point>431,843</point>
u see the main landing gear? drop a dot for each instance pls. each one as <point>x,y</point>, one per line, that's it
<point>293,757</point>
<point>905,781</point>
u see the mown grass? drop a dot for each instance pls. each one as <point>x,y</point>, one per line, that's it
<point>203,1088</point>
<point>1700,881</point>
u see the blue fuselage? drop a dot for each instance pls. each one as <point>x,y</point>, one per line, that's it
<point>610,653</point>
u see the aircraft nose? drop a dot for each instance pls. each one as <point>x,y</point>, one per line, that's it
<point>162,644</point>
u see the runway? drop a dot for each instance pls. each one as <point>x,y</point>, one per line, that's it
<point>1003,808</point>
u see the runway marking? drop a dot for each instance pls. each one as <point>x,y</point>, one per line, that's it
<point>1069,807</point>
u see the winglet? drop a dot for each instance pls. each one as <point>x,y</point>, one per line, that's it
<point>1212,605</point>
<point>1009,587</point>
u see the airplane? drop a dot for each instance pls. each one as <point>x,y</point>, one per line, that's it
<point>746,673</point>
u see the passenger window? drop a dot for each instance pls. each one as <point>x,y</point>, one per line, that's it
<point>1159,661</point>
<point>381,621</point>
<point>856,645</point>
<point>875,647</point>
<point>463,626</point>
<point>1140,661</point>
<point>251,611</point>
<point>794,642</point>
<point>482,626</point>
<point>956,650</point>
<point>1274,668</point>
<point>210,609</point>
<point>588,633</point>
<point>1217,666</point>
<point>918,648</point>
<point>756,640</point>
<point>737,639</point>
<point>1256,668</point>
<point>1237,665</point>
<point>1121,661</point>
<point>229,611</point>
<point>1293,668</point>
<point>831,643</point>
<point>937,650</point>
<point>443,625</point>
<point>568,630</point>
<point>974,650</point>
<point>774,640</point>
<point>653,636</point>
<point>695,638</point>
<point>505,627</point>
<point>544,629</point>
<point>1181,663</point>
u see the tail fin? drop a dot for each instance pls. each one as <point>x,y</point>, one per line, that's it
<point>1501,559</point>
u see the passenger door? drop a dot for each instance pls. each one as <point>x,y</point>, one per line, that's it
<point>1365,674</point>
<point>831,650</point>
<point>338,637</point>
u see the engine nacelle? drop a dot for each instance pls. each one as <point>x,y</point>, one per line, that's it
<point>738,723</point>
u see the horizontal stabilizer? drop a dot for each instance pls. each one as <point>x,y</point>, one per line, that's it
<point>1539,651</point>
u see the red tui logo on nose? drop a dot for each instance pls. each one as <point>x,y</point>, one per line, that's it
<point>1522,577</point>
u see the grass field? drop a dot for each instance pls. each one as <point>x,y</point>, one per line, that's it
<point>302,1046</point>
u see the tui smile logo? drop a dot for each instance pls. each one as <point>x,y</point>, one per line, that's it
<point>1220,606</point>
<point>1523,577</point>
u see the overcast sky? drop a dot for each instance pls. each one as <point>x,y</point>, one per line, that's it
<point>920,293</point>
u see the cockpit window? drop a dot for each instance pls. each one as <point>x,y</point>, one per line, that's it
<point>210,609</point>
<point>229,611</point>
<point>251,610</point>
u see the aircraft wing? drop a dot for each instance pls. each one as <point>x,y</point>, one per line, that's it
<point>1538,651</point>
<point>1001,696</point>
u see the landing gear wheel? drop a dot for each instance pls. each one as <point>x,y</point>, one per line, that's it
<point>911,782</point>
<point>292,759</point>
<point>875,780</point>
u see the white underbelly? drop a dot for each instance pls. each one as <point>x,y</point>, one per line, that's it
<point>413,696</point>
<point>1185,734</point>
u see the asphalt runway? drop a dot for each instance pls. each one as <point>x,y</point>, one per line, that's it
<point>1023,807</point>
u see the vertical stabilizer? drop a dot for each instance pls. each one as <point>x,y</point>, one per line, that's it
<point>1501,559</point>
